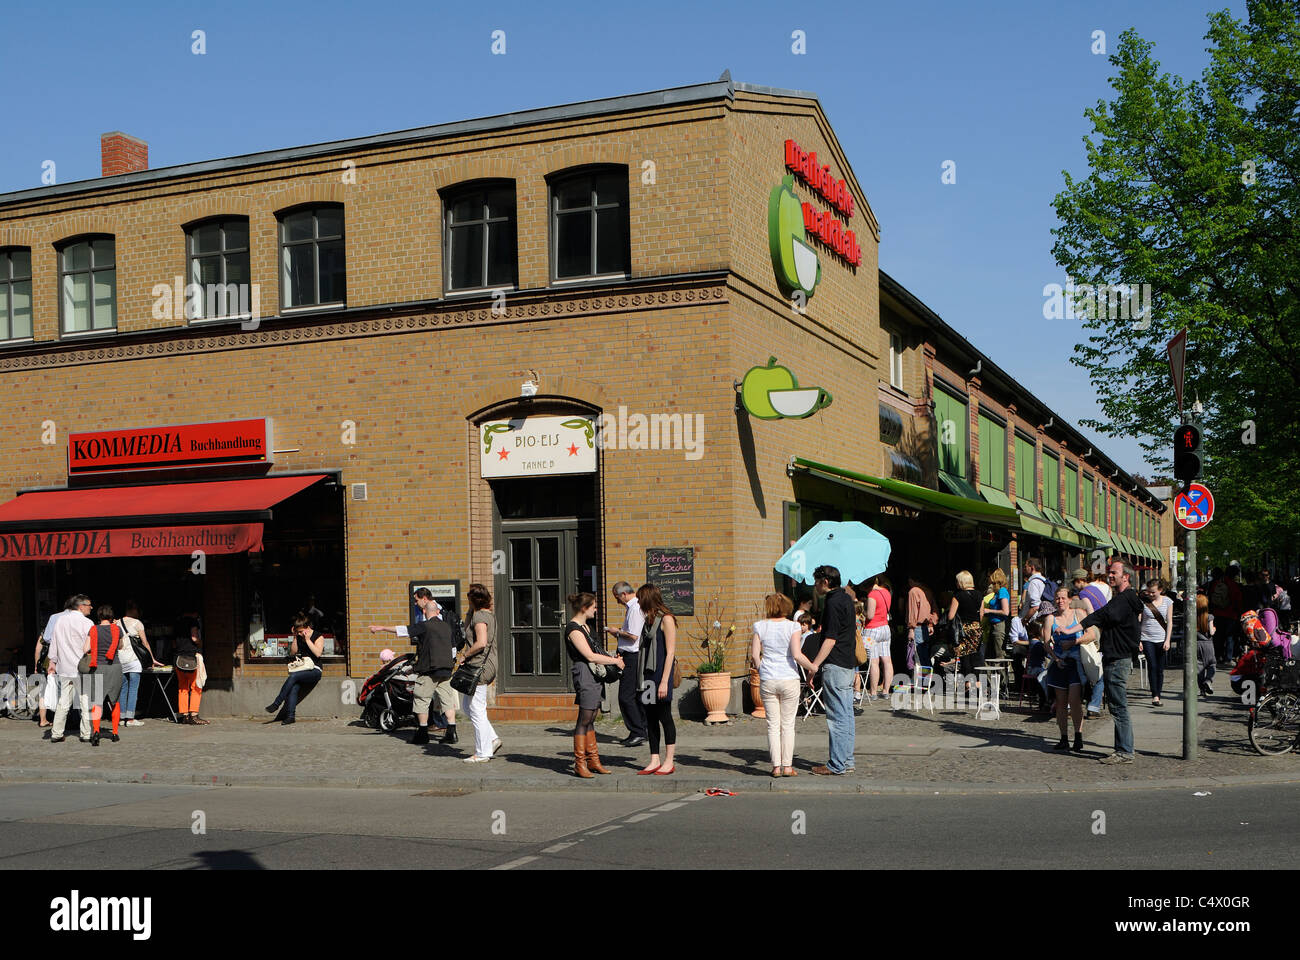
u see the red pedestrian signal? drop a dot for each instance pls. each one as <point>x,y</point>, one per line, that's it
<point>1187,453</point>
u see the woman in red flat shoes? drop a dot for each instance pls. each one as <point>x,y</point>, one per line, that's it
<point>658,647</point>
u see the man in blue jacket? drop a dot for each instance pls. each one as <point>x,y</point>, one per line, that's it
<point>1118,624</point>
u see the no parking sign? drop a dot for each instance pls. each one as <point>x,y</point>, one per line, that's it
<point>1194,507</point>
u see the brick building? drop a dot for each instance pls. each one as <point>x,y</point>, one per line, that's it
<point>393,317</point>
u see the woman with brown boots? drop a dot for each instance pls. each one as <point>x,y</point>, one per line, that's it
<point>583,653</point>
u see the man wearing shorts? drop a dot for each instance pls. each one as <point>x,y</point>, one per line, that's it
<point>435,659</point>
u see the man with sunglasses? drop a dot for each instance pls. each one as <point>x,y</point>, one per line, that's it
<point>1119,625</point>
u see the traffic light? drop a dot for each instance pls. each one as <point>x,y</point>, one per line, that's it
<point>1187,453</point>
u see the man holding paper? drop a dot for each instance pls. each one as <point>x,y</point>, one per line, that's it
<point>435,660</point>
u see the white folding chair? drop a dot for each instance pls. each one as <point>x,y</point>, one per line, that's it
<point>925,682</point>
<point>1140,683</point>
<point>810,697</point>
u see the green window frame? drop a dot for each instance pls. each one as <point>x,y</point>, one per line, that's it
<point>1072,491</point>
<point>993,454</point>
<point>1051,480</point>
<point>1026,481</point>
<point>952,454</point>
<point>1114,512</point>
<point>1089,503</point>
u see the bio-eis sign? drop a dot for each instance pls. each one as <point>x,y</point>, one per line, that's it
<point>825,225</point>
<point>235,441</point>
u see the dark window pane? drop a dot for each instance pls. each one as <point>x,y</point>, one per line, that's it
<point>333,275</point>
<point>467,208</point>
<point>103,251</point>
<point>573,193</point>
<point>522,604</point>
<point>329,222</point>
<point>206,238</point>
<point>299,275</point>
<point>208,270</point>
<point>21,296</point>
<point>236,234</point>
<point>550,652</point>
<point>523,644</point>
<point>521,560</point>
<point>501,254</point>
<point>548,558</point>
<point>467,256</point>
<point>237,269</point>
<point>611,242</point>
<point>297,226</point>
<point>573,245</point>
<point>611,187</point>
<point>21,262</point>
<point>549,611</point>
<point>76,257</point>
<point>501,202</point>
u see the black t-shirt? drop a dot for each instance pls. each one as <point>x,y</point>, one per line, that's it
<point>968,606</point>
<point>305,651</point>
<point>574,655</point>
<point>433,646</point>
<point>841,625</point>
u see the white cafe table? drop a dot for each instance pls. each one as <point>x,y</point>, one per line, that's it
<point>990,699</point>
<point>162,676</point>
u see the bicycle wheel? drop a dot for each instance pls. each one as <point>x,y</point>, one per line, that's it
<point>1274,725</point>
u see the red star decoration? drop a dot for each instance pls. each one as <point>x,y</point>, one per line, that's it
<point>573,449</point>
<point>503,454</point>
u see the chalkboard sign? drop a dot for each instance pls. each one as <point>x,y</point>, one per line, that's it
<point>672,569</point>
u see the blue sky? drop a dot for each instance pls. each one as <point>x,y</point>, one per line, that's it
<point>998,88</point>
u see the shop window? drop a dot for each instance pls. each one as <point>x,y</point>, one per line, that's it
<point>479,236</point>
<point>896,360</point>
<point>219,267</point>
<point>589,224</point>
<point>312,257</point>
<point>993,453</point>
<point>88,284</point>
<point>951,418</point>
<point>15,293</point>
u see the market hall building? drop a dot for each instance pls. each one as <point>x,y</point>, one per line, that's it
<point>638,337</point>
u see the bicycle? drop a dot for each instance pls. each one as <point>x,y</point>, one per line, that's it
<point>1274,722</point>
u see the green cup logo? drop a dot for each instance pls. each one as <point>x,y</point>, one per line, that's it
<point>796,263</point>
<point>771,392</point>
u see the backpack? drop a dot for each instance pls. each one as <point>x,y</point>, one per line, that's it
<point>1220,596</point>
<point>1049,593</point>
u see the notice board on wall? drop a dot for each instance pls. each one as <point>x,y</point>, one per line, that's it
<point>672,569</point>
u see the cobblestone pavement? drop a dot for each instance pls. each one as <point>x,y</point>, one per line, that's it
<point>906,750</point>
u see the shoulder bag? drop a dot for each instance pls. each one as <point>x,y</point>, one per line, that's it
<point>466,679</point>
<point>187,662</point>
<point>299,664</point>
<point>1156,613</point>
<point>141,651</point>
<point>604,672</point>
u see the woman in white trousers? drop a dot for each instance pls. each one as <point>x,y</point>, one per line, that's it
<point>482,651</point>
<point>775,648</point>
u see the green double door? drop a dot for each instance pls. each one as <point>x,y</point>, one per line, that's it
<point>540,572</point>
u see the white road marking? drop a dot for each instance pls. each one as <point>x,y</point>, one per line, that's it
<point>515,863</point>
<point>693,796</point>
<point>597,833</point>
<point>639,817</point>
<point>561,846</point>
<point>669,806</point>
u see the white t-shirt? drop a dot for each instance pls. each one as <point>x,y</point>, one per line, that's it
<point>69,637</point>
<point>633,623</point>
<point>125,652</point>
<point>777,662</point>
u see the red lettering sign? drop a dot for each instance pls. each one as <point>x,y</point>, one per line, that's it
<point>824,225</point>
<point>151,448</point>
<point>132,542</point>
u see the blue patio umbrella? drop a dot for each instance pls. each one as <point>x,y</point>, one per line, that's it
<point>852,547</point>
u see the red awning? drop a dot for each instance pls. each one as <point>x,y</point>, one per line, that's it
<point>167,503</point>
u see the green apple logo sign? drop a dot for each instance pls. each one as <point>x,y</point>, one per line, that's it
<point>797,268</point>
<point>772,393</point>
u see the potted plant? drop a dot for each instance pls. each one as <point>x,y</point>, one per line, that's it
<point>712,673</point>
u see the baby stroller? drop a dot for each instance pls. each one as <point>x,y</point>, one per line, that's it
<point>387,699</point>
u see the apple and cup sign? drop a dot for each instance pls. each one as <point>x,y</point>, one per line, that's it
<point>771,392</point>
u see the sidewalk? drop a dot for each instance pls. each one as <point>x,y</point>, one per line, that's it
<point>911,752</point>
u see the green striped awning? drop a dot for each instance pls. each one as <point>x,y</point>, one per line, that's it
<point>1101,536</point>
<point>958,486</point>
<point>1078,527</point>
<point>1027,507</point>
<point>994,495</point>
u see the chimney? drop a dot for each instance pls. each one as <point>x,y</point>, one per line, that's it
<point>120,153</point>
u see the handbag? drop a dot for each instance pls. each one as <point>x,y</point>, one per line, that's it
<point>298,664</point>
<point>141,651</point>
<point>187,662</point>
<point>860,650</point>
<point>466,679</point>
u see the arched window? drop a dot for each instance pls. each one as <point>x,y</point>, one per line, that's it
<point>15,293</point>
<point>88,284</point>
<point>219,265</point>
<point>479,236</point>
<point>313,269</point>
<point>589,224</point>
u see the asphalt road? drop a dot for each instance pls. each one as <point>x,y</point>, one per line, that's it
<point>136,826</point>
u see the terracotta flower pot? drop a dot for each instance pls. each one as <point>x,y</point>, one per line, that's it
<point>756,695</point>
<point>715,691</point>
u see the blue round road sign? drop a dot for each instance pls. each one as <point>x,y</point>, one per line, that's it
<point>1194,507</point>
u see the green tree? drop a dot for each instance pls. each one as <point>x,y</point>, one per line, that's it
<point>1193,189</point>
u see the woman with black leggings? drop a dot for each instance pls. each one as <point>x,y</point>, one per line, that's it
<point>658,647</point>
<point>582,651</point>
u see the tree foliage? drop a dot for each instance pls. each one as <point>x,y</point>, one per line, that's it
<point>1193,189</point>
